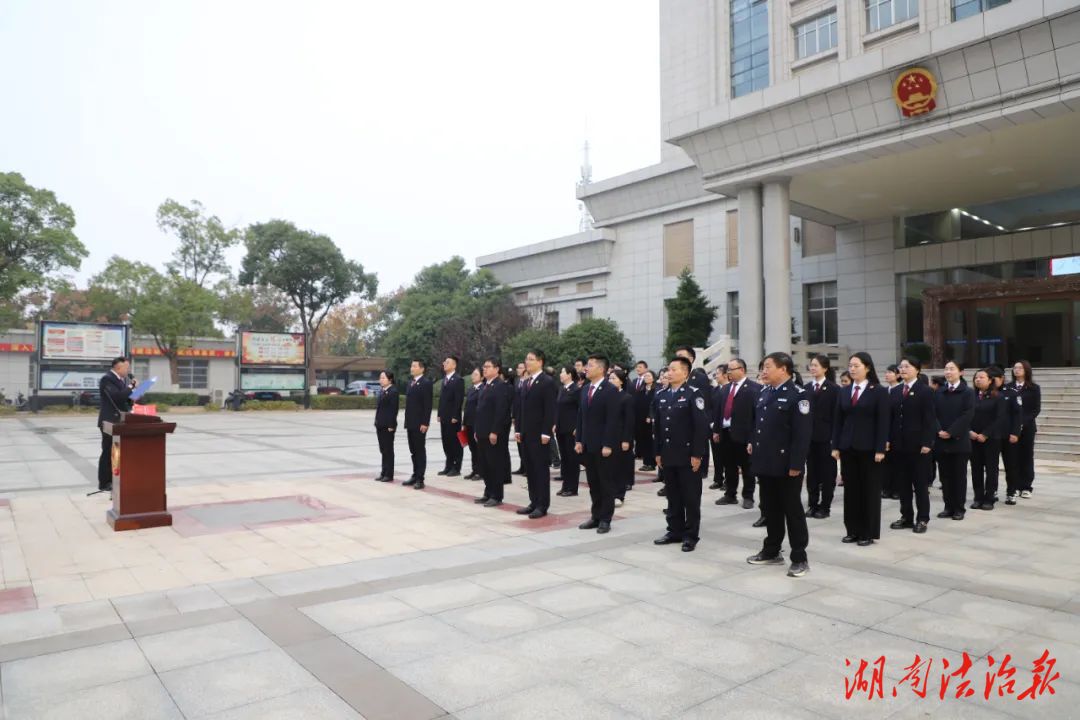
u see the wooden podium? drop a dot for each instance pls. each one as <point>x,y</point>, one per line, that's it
<point>138,460</point>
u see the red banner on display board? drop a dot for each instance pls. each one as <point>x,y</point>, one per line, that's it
<point>17,347</point>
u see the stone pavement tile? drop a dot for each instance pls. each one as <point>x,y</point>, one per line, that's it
<point>545,701</point>
<point>747,705</point>
<point>195,599</point>
<point>147,606</point>
<point>72,670</point>
<point>644,624</point>
<point>402,642</point>
<point>461,680</point>
<point>498,618</point>
<point>60,643</point>
<point>769,583</point>
<point>241,680</point>
<point>820,689</point>
<point>363,612</point>
<point>709,604</point>
<point>568,651</point>
<point>581,567</point>
<point>899,652</point>
<point>88,615</point>
<point>241,590</point>
<point>639,583</point>
<point>181,648</point>
<point>1058,625</point>
<point>890,589</point>
<point>453,557</point>
<point>945,631</point>
<point>978,608</point>
<point>922,709</point>
<point>309,580</point>
<point>134,699</point>
<point>169,623</point>
<point>517,581</point>
<point>313,703</point>
<point>575,600</point>
<point>61,590</point>
<point>656,687</point>
<point>736,657</point>
<point>112,583</point>
<point>794,628</point>
<point>831,603</point>
<point>446,595</point>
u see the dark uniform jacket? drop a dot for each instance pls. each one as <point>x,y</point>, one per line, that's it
<point>468,418</point>
<point>418,398</point>
<point>115,398</point>
<point>991,417</point>
<point>914,418</point>
<point>1029,398</point>
<point>567,408</point>
<point>386,409</point>
<point>453,391</point>
<point>864,426</point>
<point>822,409</point>
<point>742,410</point>
<point>492,410</point>
<point>537,406</point>
<point>642,398</point>
<point>782,430</point>
<point>699,380</point>
<point>955,408</point>
<point>1013,421</point>
<point>626,417</point>
<point>598,425</point>
<point>680,425</point>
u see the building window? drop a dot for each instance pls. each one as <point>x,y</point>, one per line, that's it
<point>551,291</point>
<point>821,324</point>
<point>733,315</point>
<point>193,374</point>
<point>584,314</point>
<point>880,14</point>
<point>749,46</point>
<point>521,296</point>
<point>551,321</point>
<point>816,239</point>
<point>584,287</point>
<point>815,36</point>
<point>678,248</point>
<point>732,238</point>
<point>140,367</point>
<point>966,8</point>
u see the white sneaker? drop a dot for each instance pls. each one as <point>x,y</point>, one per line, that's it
<point>1025,494</point>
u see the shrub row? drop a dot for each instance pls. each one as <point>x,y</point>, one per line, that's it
<point>343,402</point>
<point>185,399</point>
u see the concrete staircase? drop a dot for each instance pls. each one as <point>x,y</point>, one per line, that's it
<point>1059,422</point>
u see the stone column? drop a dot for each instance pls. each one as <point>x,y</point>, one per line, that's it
<point>751,287</point>
<point>776,250</point>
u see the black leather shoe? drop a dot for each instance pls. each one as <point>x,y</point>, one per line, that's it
<point>820,514</point>
<point>725,500</point>
<point>590,524</point>
<point>604,527</point>
<point>410,481</point>
<point>662,492</point>
<point>525,510</point>
<point>481,500</point>
<point>987,506</point>
<point>566,493</point>
<point>537,513</point>
<point>958,516</point>
<point>107,488</point>
<point>810,512</point>
<point>453,473</point>
<point>848,539</point>
<point>715,486</point>
<point>760,522</point>
<point>419,485</point>
<point>975,505</point>
<point>864,542</point>
<point>944,514</point>
<point>385,479</point>
<point>666,540</point>
<point>689,545</point>
<point>493,503</point>
<point>443,472</point>
<point>920,527</point>
<point>902,524</point>
<point>748,503</point>
<point>470,476</point>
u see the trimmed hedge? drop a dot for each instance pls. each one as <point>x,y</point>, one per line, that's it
<point>158,398</point>
<point>6,410</point>
<point>343,402</point>
<point>211,407</point>
<point>270,405</point>
<point>69,410</point>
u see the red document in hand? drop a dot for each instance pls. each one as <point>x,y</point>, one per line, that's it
<point>463,438</point>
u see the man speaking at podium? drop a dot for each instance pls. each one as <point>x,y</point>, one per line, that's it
<point>115,387</point>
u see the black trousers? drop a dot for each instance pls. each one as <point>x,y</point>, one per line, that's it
<point>571,462</point>
<point>1025,458</point>
<point>643,443</point>
<point>781,499</point>
<point>495,465</point>
<point>891,481</point>
<point>718,462</point>
<point>386,449</point>
<point>820,476</point>
<point>624,471</point>
<point>1008,457</point>
<point>952,467</point>
<point>451,445</point>
<point>984,469</point>
<point>736,459</point>
<point>418,452</point>
<point>537,458</point>
<point>474,455</point>
<point>862,493</point>
<point>684,502</point>
<point>913,481</point>
<point>104,466</point>
<point>599,473</point>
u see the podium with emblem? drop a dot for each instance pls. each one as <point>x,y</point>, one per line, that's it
<point>138,462</point>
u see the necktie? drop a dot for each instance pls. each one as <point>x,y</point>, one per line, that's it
<point>906,390</point>
<point>591,389</point>
<point>855,395</point>
<point>730,402</point>
<point>528,384</point>
<point>817,387</point>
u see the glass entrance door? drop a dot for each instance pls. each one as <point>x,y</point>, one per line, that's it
<point>991,331</point>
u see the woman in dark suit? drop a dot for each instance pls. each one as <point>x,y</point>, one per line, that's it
<point>860,435</point>
<point>468,420</point>
<point>643,440</point>
<point>911,442</point>
<point>955,406</point>
<point>386,414</point>
<point>988,424</point>
<point>624,453</point>
<point>820,465</point>
<point>1029,398</point>
<point>566,412</point>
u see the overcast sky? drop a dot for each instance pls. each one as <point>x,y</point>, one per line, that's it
<point>406,131</point>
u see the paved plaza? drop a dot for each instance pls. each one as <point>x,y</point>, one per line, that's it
<point>293,586</point>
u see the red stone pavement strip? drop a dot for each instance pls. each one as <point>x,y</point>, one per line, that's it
<point>4,502</point>
<point>17,600</point>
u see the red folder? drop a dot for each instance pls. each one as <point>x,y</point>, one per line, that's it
<point>463,438</point>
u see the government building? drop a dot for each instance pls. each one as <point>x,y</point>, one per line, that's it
<point>880,175</point>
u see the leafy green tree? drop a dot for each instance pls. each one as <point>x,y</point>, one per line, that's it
<point>596,335</point>
<point>204,241</point>
<point>37,239</point>
<point>259,308</point>
<point>308,268</point>
<point>518,346</point>
<point>690,316</point>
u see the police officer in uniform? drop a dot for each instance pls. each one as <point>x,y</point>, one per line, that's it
<point>781,440</point>
<point>681,436</point>
<point>699,380</point>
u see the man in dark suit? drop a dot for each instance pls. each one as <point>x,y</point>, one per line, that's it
<point>532,430</point>
<point>597,437</point>
<point>468,421</point>
<point>733,428</point>
<point>492,433</point>
<point>115,388</point>
<point>642,429</point>
<point>714,445</point>
<point>515,411</point>
<point>453,392</point>
<point>418,398</point>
